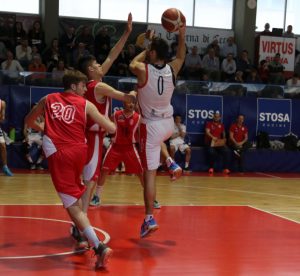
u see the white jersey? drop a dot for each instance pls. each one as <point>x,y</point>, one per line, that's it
<point>154,96</point>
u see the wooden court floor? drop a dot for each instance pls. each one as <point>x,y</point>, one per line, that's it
<point>209,225</point>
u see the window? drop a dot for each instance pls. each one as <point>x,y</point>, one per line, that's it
<point>157,7</point>
<point>119,10</point>
<point>20,6</point>
<point>292,13</point>
<point>214,13</point>
<point>270,11</point>
<point>79,8</point>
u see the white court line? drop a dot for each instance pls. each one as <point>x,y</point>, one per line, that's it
<point>106,239</point>
<point>276,215</point>
<point>269,175</point>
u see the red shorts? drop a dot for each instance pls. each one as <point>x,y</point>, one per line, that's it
<point>65,168</point>
<point>123,153</point>
<point>91,169</point>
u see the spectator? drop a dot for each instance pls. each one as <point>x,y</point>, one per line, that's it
<point>293,84</point>
<point>263,71</point>
<point>289,32</point>
<point>3,152</point>
<point>34,138</point>
<point>177,142</point>
<point>214,45</point>
<point>58,72</point>
<point>229,48</point>
<point>211,65</point>
<point>19,32</point>
<point>24,53</point>
<point>37,36</point>
<point>276,71</point>
<point>2,52</point>
<point>52,55</point>
<point>79,52</point>
<point>266,30</point>
<point>36,66</point>
<point>11,68</point>
<point>87,39</point>
<point>215,140</point>
<point>253,77</point>
<point>67,43</point>
<point>244,64</point>
<point>238,77</point>
<point>193,64</point>
<point>102,44</point>
<point>238,139</point>
<point>228,67</point>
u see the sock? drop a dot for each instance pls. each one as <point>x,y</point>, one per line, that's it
<point>169,161</point>
<point>99,190</point>
<point>90,234</point>
<point>148,217</point>
<point>186,164</point>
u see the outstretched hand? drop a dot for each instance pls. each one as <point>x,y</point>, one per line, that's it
<point>129,23</point>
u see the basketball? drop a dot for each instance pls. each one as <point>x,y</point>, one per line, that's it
<point>172,19</point>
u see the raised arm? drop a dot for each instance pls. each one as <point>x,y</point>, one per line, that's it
<point>116,50</point>
<point>138,67</point>
<point>177,63</point>
<point>98,118</point>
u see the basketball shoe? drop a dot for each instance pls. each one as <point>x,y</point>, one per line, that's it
<point>95,201</point>
<point>148,227</point>
<point>103,253</point>
<point>82,242</point>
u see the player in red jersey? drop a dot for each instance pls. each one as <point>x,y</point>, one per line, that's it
<point>238,139</point>
<point>64,140</point>
<point>99,93</point>
<point>123,148</point>
<point>156,82</point>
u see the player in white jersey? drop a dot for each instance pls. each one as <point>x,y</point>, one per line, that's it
<point>156,82</point>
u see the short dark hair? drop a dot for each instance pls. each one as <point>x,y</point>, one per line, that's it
<point>73,77</point>
<point>161,47</point>
<point>84,62</point>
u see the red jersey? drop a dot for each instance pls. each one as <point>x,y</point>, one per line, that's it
<point>126,127</point>
<point>239,132</point>
<point>216,129</point>
<point>102,105</point>
<point>65,119</point>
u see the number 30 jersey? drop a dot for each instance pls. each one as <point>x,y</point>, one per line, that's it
<point>154,97</point>
<point>65,120</point>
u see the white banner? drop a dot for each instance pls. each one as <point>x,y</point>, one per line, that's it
<point>269,46</point>
<point>195,36</point>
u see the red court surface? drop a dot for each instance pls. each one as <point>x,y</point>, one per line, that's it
<point>192,240</point>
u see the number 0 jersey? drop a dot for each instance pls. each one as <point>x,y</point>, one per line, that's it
<point>154,96</point>
<point>65,120</point>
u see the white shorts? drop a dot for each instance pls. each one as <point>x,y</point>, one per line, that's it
<point>179,146</point>
<point>35,138</point>
<point>152,134</point>
<point>2,140</point>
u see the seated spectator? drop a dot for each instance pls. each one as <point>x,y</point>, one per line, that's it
<point>238,77</point>
<point>87,39</point>
<point>229,48</point>
<point>244,64</point>
<point>238,140</point>
<point>211,65</point>
<point>228,67</point>
<point>2,52</point>
<point>266,30</point>
<point>11,68</point>
<point>276,71</point>
<point>24,52</point>
<point>3,152</point>
<point>33,139</point>
<point>293,84</point>
<point>67,43</point>
<point>80,51</point>
<point>214,45</point>
<point>193,64</point>
<point>263,71</point>
<point>177,142</point>
<point>253,77</point>
<point>289,32</point>
<point>58,72</point>
<point>102,45</point>
<point>36,36</point>
<point>215,140</point>
<point>52,55</point>
<point>36,66</point>
<point>19,32</point>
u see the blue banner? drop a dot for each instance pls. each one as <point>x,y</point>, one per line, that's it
<point>116,105</point>
<point>199,109</point>
<point>39,92</point>
<point>274,116</point>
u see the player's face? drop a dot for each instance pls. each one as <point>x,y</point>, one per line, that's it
<point>129,106</point>
<point>240,119</point>
<point>217,117</point>
<point>97,69</point>
<point>80,88</point>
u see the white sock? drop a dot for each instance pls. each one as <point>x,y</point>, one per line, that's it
<point>169,160</point>
<point>99,190</point>
<point>148,217</point>
<point>186,164</point>
<point>90,234</point>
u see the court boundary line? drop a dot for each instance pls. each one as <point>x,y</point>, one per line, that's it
<point>276,215</point>
<point>105,234</point>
